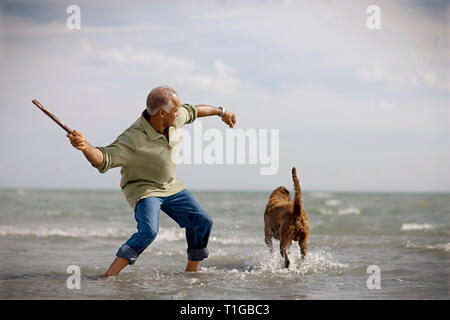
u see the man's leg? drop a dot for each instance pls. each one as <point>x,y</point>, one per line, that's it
<point>117,265</point>
<point>187,212</point>
<point>147,218</point>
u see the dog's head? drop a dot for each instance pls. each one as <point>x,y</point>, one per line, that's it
<point>281,192</point>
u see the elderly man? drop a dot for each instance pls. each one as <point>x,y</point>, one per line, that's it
<point>144,153</point>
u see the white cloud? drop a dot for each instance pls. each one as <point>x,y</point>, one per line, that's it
<point>176,69</point>
<point>410,50</point>
<point>378,73</point>
<point>129,55</point>
<point>222,81</point>
<point>19,27</point>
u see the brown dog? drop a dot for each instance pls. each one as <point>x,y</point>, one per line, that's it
<point>285,220</point>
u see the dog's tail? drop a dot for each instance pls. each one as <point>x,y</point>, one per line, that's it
<point>298,194</point>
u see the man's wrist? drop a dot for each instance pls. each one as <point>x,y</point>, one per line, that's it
<point>87,148</point>
<point>222,109</point>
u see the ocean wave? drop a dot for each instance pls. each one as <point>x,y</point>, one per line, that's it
<point>326,212</point>
<point>341,212</point>
<point>73,232</point>
<point>416,226</point>
<point>237,241</point>
<point>21,192</point>
<point>164,234</point>
<point>332,202</point>
<point>53,213</point>
<point>321,195</point>
<point>349,211</point>
<point>170,235</point>
<point>173,234</point>
<point>438,246</point>
<point>177,234</point>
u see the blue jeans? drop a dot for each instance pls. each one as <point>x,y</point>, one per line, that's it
<point>181,207</point>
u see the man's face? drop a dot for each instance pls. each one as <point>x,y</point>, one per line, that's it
<point>171,117</point>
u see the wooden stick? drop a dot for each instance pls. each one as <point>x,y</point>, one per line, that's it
<point>52,116</point>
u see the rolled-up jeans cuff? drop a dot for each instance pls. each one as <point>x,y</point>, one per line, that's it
<point>197,254</point>
<point>128,253</point>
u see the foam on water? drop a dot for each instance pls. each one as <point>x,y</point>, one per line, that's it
<point>320,195</point>
<point>332,202</point>
<point>438,246</point>
<point>349,211</point>
<point>317,261</point>
<point>72,232</point>
<point>235,240</point>
<point>164,234</point>
<point>170,235</point>
<point>340,212</point>
<point>173,234</point>
<point>416,226</point>
<point>263,263</point>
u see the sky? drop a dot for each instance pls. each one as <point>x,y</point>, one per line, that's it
<point>357,108</point>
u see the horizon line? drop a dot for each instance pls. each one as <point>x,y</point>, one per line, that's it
<point>235,190</point>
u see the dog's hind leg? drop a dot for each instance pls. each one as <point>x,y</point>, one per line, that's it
<point>284,249</point>
<point>303,243</point>
<point>268,238</point>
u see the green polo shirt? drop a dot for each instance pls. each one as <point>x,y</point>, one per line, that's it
<point>145,158</point>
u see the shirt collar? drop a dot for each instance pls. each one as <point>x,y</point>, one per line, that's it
<point>150,131</point>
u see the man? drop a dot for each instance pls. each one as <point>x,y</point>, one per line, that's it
<point>144,153</point>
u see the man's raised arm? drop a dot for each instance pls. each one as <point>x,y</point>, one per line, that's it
<point>228,117</point>
<point>92,154</point>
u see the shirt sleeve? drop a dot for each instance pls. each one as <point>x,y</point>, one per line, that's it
<point>117,154</point>
<point>188,114</point>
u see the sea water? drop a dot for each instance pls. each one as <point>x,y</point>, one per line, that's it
<point>405,236</point>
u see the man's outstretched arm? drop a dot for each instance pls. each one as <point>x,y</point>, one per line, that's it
<point>204,110</point>
<point>92,154</point>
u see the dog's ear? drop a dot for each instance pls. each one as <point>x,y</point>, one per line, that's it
<point>285,190</point>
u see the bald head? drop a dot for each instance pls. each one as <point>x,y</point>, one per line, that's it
<point>163,97</point>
